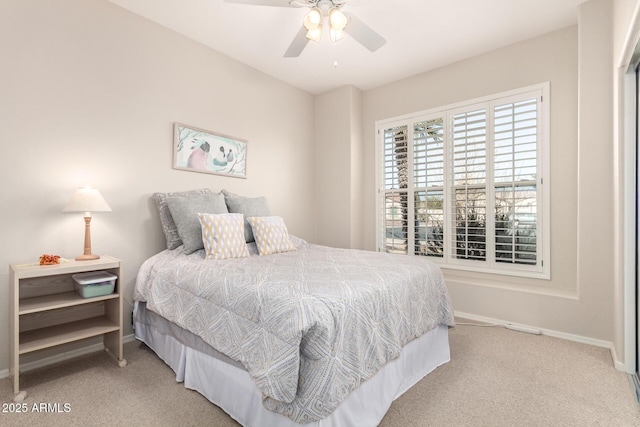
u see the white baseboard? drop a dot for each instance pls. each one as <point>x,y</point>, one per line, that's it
<point>63,356</point>
<point>620,366</point>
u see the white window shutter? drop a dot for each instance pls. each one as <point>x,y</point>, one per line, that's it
<point>463,184</point>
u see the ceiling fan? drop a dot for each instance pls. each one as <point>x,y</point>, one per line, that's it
<point>319,11</point>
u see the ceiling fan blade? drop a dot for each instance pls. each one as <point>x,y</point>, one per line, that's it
<point>363,33</point>
<point>277,3</point>
<point>298,44</point>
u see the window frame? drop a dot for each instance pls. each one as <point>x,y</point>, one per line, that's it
<point>542,268</point>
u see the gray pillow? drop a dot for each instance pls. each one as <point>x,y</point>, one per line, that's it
<point>248,206</point>
<point>185,210</point>
<point>168,225</point>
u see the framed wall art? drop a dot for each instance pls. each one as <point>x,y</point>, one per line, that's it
<point>200,150</point>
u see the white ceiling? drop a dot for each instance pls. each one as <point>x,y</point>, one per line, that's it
<point>421,35</point>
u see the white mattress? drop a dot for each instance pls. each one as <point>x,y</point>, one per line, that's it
<point>228,385</point>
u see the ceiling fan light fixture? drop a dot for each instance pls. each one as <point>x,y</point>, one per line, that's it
<point>336,35</point>
<point>313,19</point>
<point>315,34</point>
<point>337,19</point>
<point>337,22</point>
<point>320,12</point>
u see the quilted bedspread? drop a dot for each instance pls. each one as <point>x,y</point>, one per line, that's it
<point>308,325</point>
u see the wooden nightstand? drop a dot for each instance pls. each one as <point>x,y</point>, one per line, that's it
<point>45,311</point>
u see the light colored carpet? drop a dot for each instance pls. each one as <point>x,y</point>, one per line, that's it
<point>496,377</point>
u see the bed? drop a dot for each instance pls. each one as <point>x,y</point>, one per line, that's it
<point>287,333</point>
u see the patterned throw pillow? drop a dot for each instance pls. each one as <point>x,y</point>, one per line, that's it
<point>271,235</point>
<point>223,235</point>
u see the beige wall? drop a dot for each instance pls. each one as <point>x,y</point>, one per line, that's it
<point>596,218</point>
<point>357,170</point>
<point>626,33</point>
<point>89,94</point>
<point>623,19</point>
<point>578,299</point>
<point>339,167</point>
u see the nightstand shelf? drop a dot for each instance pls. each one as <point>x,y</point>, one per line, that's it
<point>62,334</point>
<point>45,311</point>
<point>51,302</point>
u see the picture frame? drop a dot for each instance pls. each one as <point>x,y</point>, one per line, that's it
<point>200,150</point>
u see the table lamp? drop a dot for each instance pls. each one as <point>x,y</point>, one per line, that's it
<point>87,200</point>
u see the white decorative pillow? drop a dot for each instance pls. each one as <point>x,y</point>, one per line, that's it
<point>223,235</point>
<point>271,234</point>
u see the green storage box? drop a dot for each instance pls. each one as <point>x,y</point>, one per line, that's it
<point>94,283</point>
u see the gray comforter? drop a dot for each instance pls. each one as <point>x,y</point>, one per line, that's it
<point>309,325</point>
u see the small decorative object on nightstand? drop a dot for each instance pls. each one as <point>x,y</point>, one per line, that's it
<point>46,311</point>
<point>87,200</point>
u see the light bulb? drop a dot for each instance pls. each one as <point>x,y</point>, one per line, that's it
<point>312,19</point>
<point>315,34</point>
<point>337,19</point>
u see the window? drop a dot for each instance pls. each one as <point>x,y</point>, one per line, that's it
<point>465,185</point>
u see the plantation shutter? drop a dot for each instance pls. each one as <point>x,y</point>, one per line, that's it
<point>468,185</point>
<point>515,175</point>
<point>428,182</point>
<point>463,184</point>
<point>396,172</point>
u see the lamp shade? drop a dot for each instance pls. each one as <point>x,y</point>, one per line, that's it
<point>86,199</point>
<point>313,19</point>
<point>337,19</point>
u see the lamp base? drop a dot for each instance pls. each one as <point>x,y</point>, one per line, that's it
<point>87,257</point>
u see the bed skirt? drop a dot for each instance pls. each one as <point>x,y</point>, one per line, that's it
<point>228,385</point>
